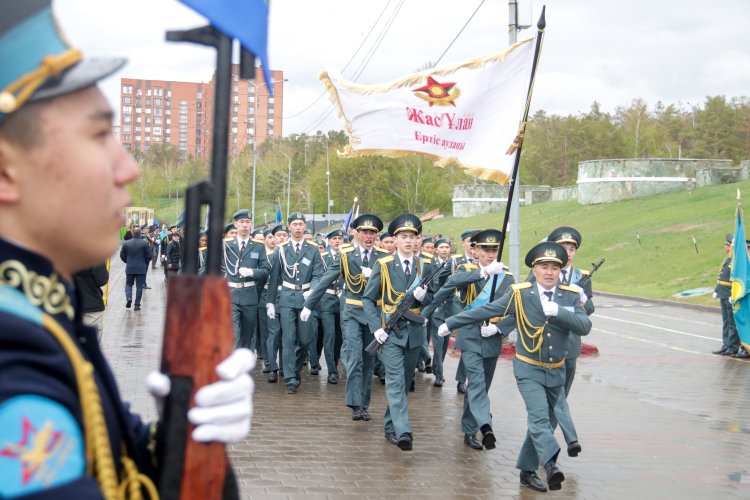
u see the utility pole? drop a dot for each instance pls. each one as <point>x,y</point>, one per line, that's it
<point>289,183</point>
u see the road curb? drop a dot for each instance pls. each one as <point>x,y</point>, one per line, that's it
<point>663,302</point>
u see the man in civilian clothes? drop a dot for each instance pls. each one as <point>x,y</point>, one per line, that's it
<point>136,253</point>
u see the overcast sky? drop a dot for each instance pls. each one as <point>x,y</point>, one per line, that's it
<point>611,51</point>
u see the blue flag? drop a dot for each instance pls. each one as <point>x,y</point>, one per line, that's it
<point>245,20</point>
<point>740,278</point>
<point>278,212</point>
<point>180,220</point>
<point>347,221</point>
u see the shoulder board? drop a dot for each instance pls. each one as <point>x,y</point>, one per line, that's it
<point>508,273</point>
<point>469,267</point>
<point>426,260</point>
<point>426,254</point>
<point>585,272</point>
<point>202,248</point>
<point>346,250</point>
<point>520,286</point>
<point>381,250</point>
<point>324,254</point>
<point>345,245</point>
<point>282,244</point>
<point>457,256</point>
<point>385,260</point>
<point>258,240</point>
<point>570,288</point>
<point>312,244</point>
<point>227,240</point>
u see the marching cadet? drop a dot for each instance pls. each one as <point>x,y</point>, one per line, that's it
<point>570,239</point>
<point>387,242</point>
<point>425,248</point>
<point>466,257</point>
<point>202,251</point>
<point>355,267</point>
<point>480,344</point>
<point>439,310</point>
<point>262,289</point>
<point>65,431</point>
<point>546,314</point>
<point>274,349</point>
<point>297,268</point>
<point>230,231</point>
<point>428,245</point>
<point>392,278</point>
<point>328,307</point>
<point>245,265</point>
<point>723,291</point>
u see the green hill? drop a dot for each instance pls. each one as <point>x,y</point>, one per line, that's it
<point>664,263</point>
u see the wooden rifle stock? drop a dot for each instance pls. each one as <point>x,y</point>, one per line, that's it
<point>198,332</point>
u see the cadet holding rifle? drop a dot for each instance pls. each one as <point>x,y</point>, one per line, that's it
<point>394,279</point>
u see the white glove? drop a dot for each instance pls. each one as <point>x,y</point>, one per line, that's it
<point>381,336</point>
<point>443,330</point>
<point>419,293</point>
<point>491,269</point>
<point>223,410</point>
<point>246,272</point>
<point>304,315</point>
<point>271,310</point>
<point>715,295</point>
<point>306,294</point>
<point>488,330</point>
<point>550,309</point>
<point>366,271</point>
<point>582,295</point>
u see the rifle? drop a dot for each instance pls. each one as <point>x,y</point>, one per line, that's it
<point>403,311</point>
<point>198,328</point>
<point>587,278</point>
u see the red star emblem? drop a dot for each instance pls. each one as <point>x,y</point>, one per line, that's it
<point>34,448</point>
<point>438,93</point>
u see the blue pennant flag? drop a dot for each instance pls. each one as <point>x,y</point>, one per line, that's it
<point>278,212</point>
<point>347,221</point>
<point>245,20</point>
<point>180,220</point>
<point>740,278</point>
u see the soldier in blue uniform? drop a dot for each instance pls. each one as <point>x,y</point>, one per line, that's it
<point>296,268</point>
<point>730,340</point>
<point>65,432</point>
<point>274,349</point>
<point>480,344</point>
<point>546,314</point>
<point>354,267</point>
<point>244,266</point>
<point>392,278</point>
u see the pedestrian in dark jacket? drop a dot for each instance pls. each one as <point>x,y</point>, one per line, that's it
<point>88,285</point>
<point>135,254</point>
<point>174,255</point>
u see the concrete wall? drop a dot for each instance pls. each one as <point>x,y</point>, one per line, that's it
<point>603,181</point>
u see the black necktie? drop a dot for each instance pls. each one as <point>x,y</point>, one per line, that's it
<point>564,278</point>
<point>242,247</point>
<point>366,259</point>
<point>407,271</point>
<point>549,296</point>
<point>296,248</point>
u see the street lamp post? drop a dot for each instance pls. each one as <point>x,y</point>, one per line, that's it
<point>328,171</point>
<point>289,182</point>
<point>255,134</point>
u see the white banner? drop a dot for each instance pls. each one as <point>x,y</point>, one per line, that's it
<point>468,114</point>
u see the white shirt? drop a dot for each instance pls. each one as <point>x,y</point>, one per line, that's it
<point>240,240</point>
<point>403,260</point>
<point>542,296</point>
<point>295,243</point>
<point>567,273</point>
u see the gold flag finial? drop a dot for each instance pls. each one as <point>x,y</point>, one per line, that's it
<point>739,197</point>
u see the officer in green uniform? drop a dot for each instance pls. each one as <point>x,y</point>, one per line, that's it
<point>546,314</point>
<point>392,279</point>
<point>280,235</point>
<point>328,308</point>
<point>244,265</point>
<point>723,291</point>
<point>466,257</point>
<point>269,243</point>
<point>570,239</point>
<point>355,267</point>
<point>296,268</point>
<point>441,309</point>
<point>480,344</point>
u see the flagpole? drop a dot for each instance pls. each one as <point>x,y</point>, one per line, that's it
<point>518,144</point>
